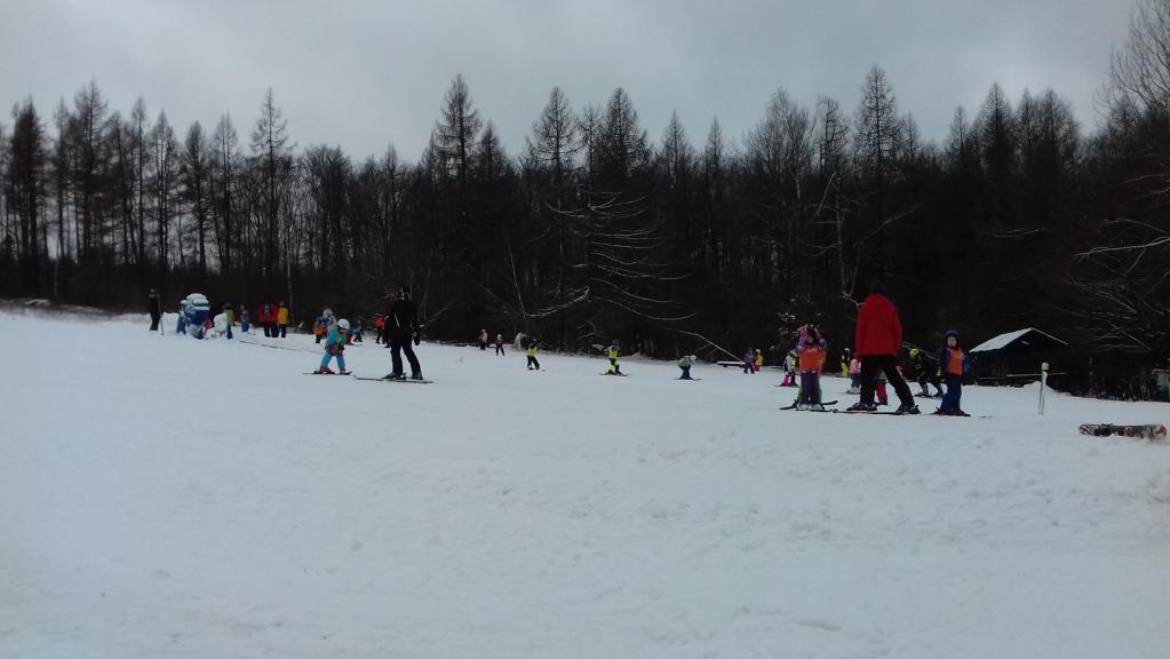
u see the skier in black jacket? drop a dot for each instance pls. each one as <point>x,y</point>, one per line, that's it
<point>154,308</point>
<point>401,329</point>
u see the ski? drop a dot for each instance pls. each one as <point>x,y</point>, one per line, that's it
<point>320,373</point>
<point>404,380</point>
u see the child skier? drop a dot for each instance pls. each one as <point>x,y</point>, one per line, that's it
<point>880,388</point>
<point>335,347</point>
<point>533,349</point>
<point>759,362</point>
<point>483,339</point>
<point>324,323</point>
<point>379,327</point>
<point>499,345</point>
<point>789,370</point>
<point>811,353</point>
<point>748,362</point>
<point>614,368</point>
<point>685,363</point>
<point>926,375</point>
<point>319,328</point>
<point>357,330</point>
<point>245,320</point>
<point>854,376</point>
<point>229,315</point>
<point>282,320</point>
<point>954,365</point>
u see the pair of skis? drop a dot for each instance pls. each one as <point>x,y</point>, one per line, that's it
<point>368,379</point>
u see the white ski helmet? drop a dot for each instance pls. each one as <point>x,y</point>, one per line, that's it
<point>343,324</point>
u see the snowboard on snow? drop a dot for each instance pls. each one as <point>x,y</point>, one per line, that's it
<point>1150,431</point>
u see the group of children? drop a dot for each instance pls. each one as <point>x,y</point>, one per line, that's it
<point>483,343</point>
<point>806,362</point>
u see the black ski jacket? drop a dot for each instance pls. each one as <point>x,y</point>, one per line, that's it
<point>402,321</point>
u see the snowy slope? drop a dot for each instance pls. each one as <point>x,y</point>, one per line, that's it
<point>163,497</point>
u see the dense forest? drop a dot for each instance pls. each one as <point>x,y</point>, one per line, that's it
<point>595,230</point>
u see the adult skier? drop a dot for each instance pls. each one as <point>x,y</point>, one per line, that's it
<point>154,307</point>
<point>401,329</point>
<point>876,341</point>
<point>684,363</point>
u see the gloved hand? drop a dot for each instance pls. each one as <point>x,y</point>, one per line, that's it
<point>417,338</point>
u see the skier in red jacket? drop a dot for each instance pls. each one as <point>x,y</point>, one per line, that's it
<point>877,340</point>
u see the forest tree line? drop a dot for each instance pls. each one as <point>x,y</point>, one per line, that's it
<point>596,231</point>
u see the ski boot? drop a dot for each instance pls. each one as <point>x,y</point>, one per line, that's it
<point>907,409</point>
<point>395,376</point>
<point>324,371</point>
<point>862,407</point>
<point>415,376</point>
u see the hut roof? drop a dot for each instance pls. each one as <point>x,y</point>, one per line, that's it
<point>1026,336</point>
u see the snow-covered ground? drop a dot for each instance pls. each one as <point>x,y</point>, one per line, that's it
<point>165,497</point>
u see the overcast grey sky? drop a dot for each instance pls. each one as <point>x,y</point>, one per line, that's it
<point>362,74</point>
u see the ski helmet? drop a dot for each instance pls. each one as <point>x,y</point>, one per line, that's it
<point>343,324</point>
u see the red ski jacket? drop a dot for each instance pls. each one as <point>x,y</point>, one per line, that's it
<point>879,330</point>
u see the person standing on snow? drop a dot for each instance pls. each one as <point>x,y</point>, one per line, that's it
<point>614,368</point>
<point>759,361</point>
<point>483,339</point>
<point>401,328</point>
<point>229,314</point>
<point>876,342</point>
<point>954,365</point>
<point>926,374</point>
<point>499,345</point>
<point>533,350</point>
<point>789,370</point>
<point>154,308</point>
<point>335,347</point>
<point>282,320</point>
<point>684,363</point>
<point>811,353</point>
